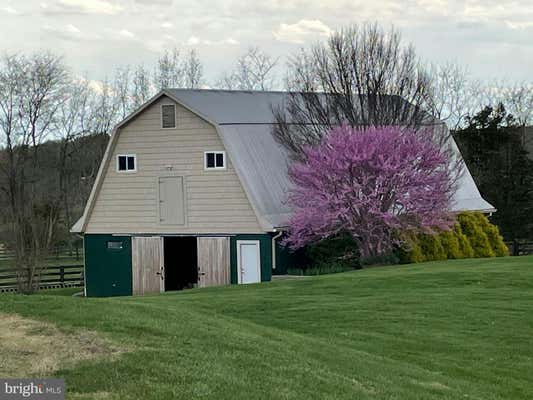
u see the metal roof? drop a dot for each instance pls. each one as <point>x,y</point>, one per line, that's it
<point>245,121</point>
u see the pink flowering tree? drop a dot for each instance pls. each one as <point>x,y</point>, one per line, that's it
<point>371,184</point>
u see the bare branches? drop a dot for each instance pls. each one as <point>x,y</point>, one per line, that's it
<point>362,76</point>
<point>192,71</point>
<point>254,70</point>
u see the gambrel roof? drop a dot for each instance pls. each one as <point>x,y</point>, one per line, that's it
<point>244,121</point>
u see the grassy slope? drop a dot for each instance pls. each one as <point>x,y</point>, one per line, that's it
<point>459,329</point>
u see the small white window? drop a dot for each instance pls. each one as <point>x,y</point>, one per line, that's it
<point>126,163</point>
<point>215,160</point>
<point>115,245</point>
<point>168,116</point>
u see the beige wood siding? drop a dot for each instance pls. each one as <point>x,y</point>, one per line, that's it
<point>127,202</point>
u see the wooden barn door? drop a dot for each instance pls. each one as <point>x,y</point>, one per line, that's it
<point>213,261</point>
<point>147,265</point>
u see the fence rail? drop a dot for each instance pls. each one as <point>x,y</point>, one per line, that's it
<point>54,276</point>
<point>520,247</point>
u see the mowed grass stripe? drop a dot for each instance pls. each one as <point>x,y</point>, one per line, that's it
<point>449,330</point>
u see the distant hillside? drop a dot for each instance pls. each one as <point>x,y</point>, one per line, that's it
<point>81,166</point>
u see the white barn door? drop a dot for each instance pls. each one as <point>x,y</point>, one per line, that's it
<point>248,261</point>
<point>147,265</point>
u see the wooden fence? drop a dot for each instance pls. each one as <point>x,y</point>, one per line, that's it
<point>520,247</point>
<point>52,276</point>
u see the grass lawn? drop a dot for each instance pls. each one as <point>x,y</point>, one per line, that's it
<point>444,330</point>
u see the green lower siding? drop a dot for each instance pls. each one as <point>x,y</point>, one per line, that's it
<point>265,249</point>
<point>107,270</point>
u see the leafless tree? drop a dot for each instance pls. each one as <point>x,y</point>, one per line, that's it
<point>32,90</point>
<point>192,71</point>
<point>363,76</point>
<point>121,89</point>
<point>169,70</point>
<point>453,94</point>
<point>141,89</point>
<point>104,107</point>
<point>254,70</point>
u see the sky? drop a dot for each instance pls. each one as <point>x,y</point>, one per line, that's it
<point>492,38</point>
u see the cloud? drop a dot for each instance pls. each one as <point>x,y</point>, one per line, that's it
<point>10,10</point>
<point>70,32</point>
<point>195,41</point>
<point>127,34</point>
<point>302,31</point>
<point>167,25</point>
<point>108,7</point>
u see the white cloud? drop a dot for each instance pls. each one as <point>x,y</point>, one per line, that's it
<point>193,41</point>
<point>82,6</point>
<point>167,25</point>
<point>70,32</point>
<point>10,10</point>
<point>231,41</point>
<point>126,33</point>
<point>302,31</point>
<point>519,25</point>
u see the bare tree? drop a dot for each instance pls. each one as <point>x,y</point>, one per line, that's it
<point>105,108</point>
<point>453,94</point>
<point>32,90</point>
<point>141,89</point>
<point>254,71</point>
<point>121,89</point>
<point>169,70</point>
<point>363,76</point>
<point>71,123</point>
<point>192,71</point>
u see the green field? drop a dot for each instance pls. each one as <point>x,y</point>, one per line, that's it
<point>445,330</point>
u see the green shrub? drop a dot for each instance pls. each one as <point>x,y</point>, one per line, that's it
<point>450,244</point>
<point>472,236</point>
<point>476,236</point>
<point>465,249</point>
<point>493,235</point>
<point>411,252</point>
<point>431,247</point>
<point>340,250</point>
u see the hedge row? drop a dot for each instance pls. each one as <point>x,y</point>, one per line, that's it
<point>472,236</point>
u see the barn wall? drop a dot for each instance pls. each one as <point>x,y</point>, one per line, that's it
<point>128,202</point>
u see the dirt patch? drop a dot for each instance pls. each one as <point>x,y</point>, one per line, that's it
<point>35,348</point>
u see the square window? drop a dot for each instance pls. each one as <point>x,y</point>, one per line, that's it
<point>126,163</point>
<point>215,160</point>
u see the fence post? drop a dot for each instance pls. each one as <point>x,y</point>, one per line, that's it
<point>62,275</point>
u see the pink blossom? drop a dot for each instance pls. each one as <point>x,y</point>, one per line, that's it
<point>370,183</point>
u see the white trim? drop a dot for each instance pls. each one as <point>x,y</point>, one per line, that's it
<point>239,272</point>
<point>175,116</point>
<point>127,171</point>
<point>215,152</point>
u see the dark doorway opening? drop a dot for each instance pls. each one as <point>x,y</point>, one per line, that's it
<point>181,266</point>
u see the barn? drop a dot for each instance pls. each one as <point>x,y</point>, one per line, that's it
<point>192,192</point>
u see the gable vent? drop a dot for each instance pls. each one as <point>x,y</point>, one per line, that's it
<point>168,116</point>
